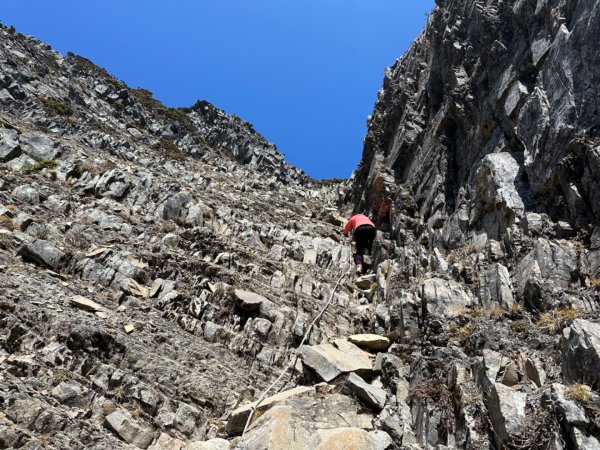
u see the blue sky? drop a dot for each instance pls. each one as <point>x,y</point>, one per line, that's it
<point>305,73</point>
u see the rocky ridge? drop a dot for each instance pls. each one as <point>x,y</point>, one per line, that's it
<point>160,267</point>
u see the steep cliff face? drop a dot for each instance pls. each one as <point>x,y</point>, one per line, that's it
<point>515,80</point>
<point>481,163</point>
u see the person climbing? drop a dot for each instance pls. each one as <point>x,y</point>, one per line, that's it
<point>363,233</point>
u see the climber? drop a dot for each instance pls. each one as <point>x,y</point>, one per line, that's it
<point>363,233</point>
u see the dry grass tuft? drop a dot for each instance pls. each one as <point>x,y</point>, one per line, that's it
<point>555,320</point>
<point>461,253</point>
<point>496,311</point>
<point>579,392</point>
<point>6,222</point>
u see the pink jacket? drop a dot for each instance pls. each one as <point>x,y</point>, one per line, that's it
<point>356,221</point>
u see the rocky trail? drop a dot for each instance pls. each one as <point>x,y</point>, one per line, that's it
<point>160,268</point>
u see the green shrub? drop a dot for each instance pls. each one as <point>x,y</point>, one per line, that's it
<point>54,107</point>
<point>170,150</point>
<point>39,166</point>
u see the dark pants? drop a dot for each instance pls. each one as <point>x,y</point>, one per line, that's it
<point>363,237</point>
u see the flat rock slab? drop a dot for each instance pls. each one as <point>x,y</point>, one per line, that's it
<point>370,341</point>
<point>325,420</point>
<point>238,418</point>
<point>331,360</point>
<point>129,429</point>
<point>373,396</point>
<point>85,304</point>
<point>212,444</point>
<point>249,300</point>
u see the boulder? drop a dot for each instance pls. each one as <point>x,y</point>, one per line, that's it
<point>365,282</point>
<point>582,440</point>
<point>26,194</point>
<point>211,444</point>
<point>71,393</point>
<point>444,298</point>
<point>43,253</point>
<point>307,422</point>
<point>497,200</point>
<point>506,408</point>
<point>370,341</point>
<point>495,287</point>
<point>570,412</point>
<point>329,361</point>
<point>580,347</point>
<point>555,262</point>
<point>129,429</point>
<point>39,146</point>
<point>249,301</point>
<point>373,397</point>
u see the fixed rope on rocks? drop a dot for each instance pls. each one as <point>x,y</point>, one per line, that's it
<point>294,360</point>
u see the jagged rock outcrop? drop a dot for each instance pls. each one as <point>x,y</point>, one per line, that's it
<point>481,165</point>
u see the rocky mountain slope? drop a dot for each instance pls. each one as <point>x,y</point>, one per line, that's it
<point>160,268</point>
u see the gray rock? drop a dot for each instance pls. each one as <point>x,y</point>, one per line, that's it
<point>43,253</point>
<point>374,397</point>
<point>212,444</point>
<point>580,347</point>
<point>238,418</point>
<point>26,194</point>
<point>444,298</point>
<point>584,441</point>
<point>9,145</point>
<point>495,287</point>
<point>498,202</point>
<point>71,393</point>
<point>39,146</point>
<point>331,360</point>
<point>130,430</point>
<point>249,300</point>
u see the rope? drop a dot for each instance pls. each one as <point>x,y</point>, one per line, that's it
<point>293,361</point>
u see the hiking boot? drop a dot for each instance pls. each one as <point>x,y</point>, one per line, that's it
<point>358,270</point>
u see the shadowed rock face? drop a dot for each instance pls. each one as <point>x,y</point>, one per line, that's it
<point>516,78</point>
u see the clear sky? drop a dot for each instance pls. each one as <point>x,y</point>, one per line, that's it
<point>305,73</point>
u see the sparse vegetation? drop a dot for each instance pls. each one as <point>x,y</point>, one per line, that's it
<point>595,282</point>
<point>47,164</point>
<point>170,150</point>
<point>6,222</point>
<point>520,326</point>
<point>88,66</point>
<point>54,107</point>
<point>432,389</point>
<point>579,392</point>
<point>60,375</point>
<point>461,253</point>
<point>465,332</point>
<point>328,182</point>
<point>555,320</point>
<point>516,308</point>
<point>496,311</point>
<point>167,226</point>
<point>476,312</point>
